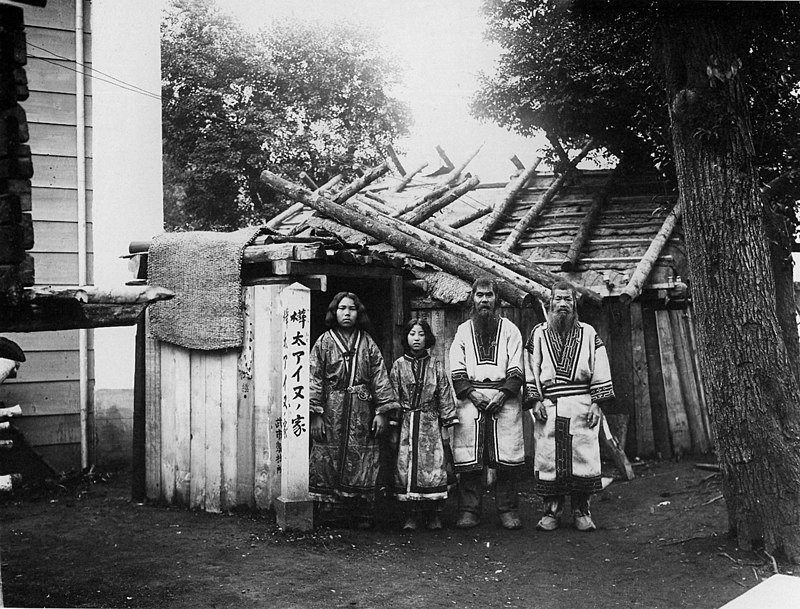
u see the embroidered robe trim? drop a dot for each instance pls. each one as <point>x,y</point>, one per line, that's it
<point>427,405</point>
<point>495,439</point>
<point>345,463</point>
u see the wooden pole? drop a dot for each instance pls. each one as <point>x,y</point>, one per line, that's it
<point>517,163</point>
<point>533,213</point>
<point>445,159</point>
<point>429,196</point>
<point>396,160</point>
<point>414,241</point>
<point>556,144</point>
<point>476,215</point>
<point>586,225</point>
<point>518,264</point>
<point>426,210</point>
<point>409,176</point>
<point>642,272</point>
<point>297,207</point>
<point>456,171</point>
<point>509,196</point>
<point>368,178</point>
<point>138,458</point>
<point>513,262</point>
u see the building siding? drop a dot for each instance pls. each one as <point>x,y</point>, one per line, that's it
<point>46,386</point>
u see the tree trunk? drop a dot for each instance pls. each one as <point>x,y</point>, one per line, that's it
<point>753,394</point>
<point>780,195</point>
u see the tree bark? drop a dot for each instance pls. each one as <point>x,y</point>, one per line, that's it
<point>753,394</point>
<point>779,196</point>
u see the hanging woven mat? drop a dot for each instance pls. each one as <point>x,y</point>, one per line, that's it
<point>204,269</point>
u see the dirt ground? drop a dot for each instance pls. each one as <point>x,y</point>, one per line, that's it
<point>661,542</point>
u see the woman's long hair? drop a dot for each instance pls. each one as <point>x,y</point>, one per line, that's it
<point>362,319</point>
<point>430,339</point>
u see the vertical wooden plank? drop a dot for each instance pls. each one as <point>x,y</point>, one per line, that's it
<point>182,402</point>
<point>197,443</point>
<point>213,444</point>
<point>698,377</point>
<point>267,368</point>
<point>658,401</point>
<point>229,385</point>
<point>168,434</point>
<point>245,464</point>
<point>676,412</point>
<point>691,399</point>
<point>138,453</point>
<point>440,350</point>
<point>645,445</point>
<point>620,359</point>
<point>153,418</point>
<point>398,314</point>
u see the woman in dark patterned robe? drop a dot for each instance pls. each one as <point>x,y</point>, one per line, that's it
<point>350,396</point>
<point>427,406</point>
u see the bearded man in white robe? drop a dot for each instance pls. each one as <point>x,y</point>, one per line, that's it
<point>567,379</point>
<point>486,370</point>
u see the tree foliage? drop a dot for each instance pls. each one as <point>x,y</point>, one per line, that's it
<point>295,97</point>
<point>592,68</point>
<point>710,92</point>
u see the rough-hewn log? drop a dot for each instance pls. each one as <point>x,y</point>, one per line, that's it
<point>642,272</point>
<point>356,185</point>
<point>509,196</point>
<point>479,213</point>
<point>71,315</point>
<point>428,196</point>
<point>533,213</point>
<point>297,207</point>
<point>91,294</point>
<point>408,177</point>
<point>518,264</point>
<point>456,171</point>
<point>426,210</point>
<point>445,159</point>
<point>586,225</point>
<point>396,160</point>
<point>280,251</point>
<point>414,241</point>
<point>513,262</point>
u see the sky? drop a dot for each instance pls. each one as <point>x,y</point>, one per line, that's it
<point>440,45</point>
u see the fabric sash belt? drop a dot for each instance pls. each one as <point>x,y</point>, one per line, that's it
<point>563,390</point>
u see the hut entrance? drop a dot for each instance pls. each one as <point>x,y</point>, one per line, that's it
<point>375,293</point>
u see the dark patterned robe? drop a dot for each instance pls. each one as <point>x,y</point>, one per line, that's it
<point>567,375</point>
<point>427,405</point>
<point>348,386</point>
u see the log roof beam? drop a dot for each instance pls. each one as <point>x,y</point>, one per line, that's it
<point>416,242</point>
<point>510,193</point>
<point>645,265</point>
<point>536,209</point>
<point>585,227</point>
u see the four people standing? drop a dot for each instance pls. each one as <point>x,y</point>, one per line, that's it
<point>565,374</point>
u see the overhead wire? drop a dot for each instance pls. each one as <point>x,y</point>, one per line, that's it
<point>109,79</point>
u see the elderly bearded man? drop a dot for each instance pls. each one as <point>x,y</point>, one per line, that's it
<point>486,369</point>
<point>567,378</point>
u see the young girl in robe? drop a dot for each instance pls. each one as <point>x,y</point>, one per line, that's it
<point>350,399</point>
<point>427,408</point>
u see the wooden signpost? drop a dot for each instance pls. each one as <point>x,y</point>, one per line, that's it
<point>294,509</point>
